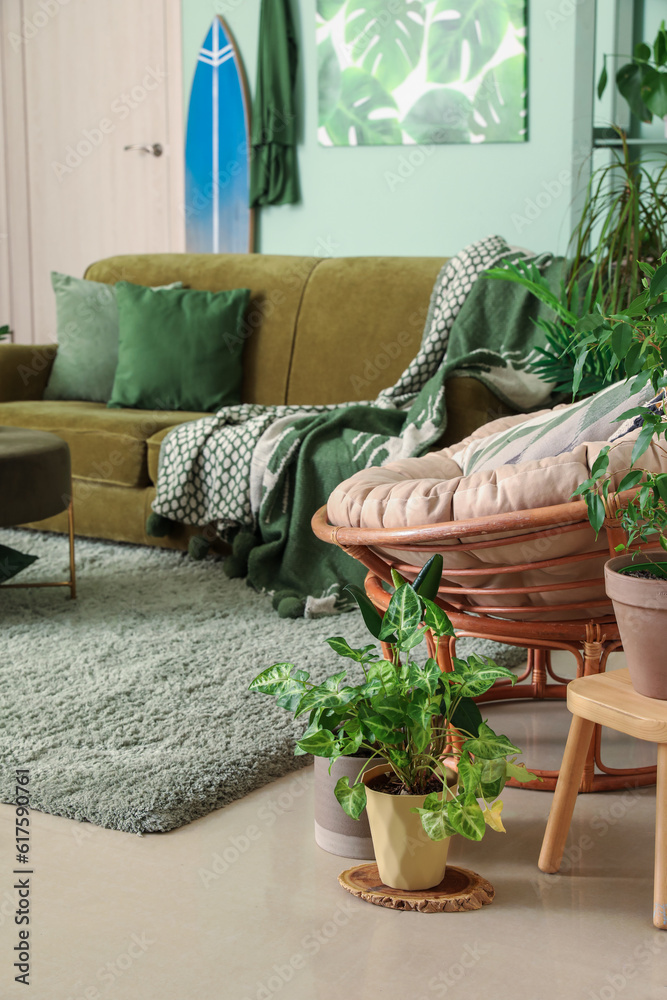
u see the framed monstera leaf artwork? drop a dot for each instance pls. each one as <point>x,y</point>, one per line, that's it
<point>400,72</point>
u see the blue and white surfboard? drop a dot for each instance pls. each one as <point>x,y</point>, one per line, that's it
<point>218,218</point>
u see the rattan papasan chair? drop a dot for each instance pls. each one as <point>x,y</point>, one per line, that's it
<point>522,564</point>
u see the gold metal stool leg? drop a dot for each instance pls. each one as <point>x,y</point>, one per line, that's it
<point>72,566</point>
<point>71,583</point>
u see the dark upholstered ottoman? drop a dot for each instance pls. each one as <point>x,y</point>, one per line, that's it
<point>35,483</point>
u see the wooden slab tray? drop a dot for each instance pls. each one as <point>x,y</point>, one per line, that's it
<point>460,889</point>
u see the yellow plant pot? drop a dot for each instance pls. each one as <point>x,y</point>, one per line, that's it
<point>406,856</point>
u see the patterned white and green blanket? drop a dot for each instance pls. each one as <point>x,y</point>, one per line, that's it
<point>267,469</point>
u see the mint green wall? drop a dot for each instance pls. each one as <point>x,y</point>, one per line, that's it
<point>355,200</point>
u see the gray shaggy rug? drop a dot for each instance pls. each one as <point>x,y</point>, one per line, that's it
<point>130,705</point>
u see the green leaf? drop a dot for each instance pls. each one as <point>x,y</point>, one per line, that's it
<point>434,818</point>
<point>478,674</point>
<point>466,817</point>
<point>489,745</point>
<point>403,616</point>
<point>519,772</point>
<point>629,80</point>
<point>589,323</point>
<point>436,620</point>
<point>352,799</point>
<point>428,677</point>
<point>292,691</point>
<point>469,776</point>
<point>642,442</point>
<point>421,711</point>
<point>601,463</point>
<point>602,82</point>
<point>343,648</point>
<point>654,91</point>
<point>386,40</point>
<point>642,52</point>
<point>370,614</point>
<point>439,116</point>
<point>621,339</point>
<point>350,746</point>
<point>386,671</point>
<point>578,371</point>
<point>466,717</point>
<point>333,683</point>
<point>429,577</point>
<point>596,513</point>
<point>659,279</point>
<point>398,580</point>
<point>272,680</point>
<point>661,484</point>
<point>320,697</point>
<point>365,110</point>
<point>460,27</point>
<point>322,743</point>
<point>630,480</point>
<point>660,48</point>
<point>382,730</point>
<point>493,778</point>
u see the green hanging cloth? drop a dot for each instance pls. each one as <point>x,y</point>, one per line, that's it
<point>274,177</point>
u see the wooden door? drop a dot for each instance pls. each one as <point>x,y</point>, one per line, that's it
<point>81,80</point>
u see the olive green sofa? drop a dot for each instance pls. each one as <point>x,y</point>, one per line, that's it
<point>318,330</point>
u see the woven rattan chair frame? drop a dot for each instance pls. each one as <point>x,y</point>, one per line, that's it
<point>589,639</point>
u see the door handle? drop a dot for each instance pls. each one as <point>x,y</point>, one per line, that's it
<point>155,149</point>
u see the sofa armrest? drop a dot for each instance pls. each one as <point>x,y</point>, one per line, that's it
<point>24,370</point>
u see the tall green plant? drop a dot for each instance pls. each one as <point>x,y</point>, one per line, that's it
<point>563,359</point>
<point>623,221</point>
<point>409,713</point>
<point>623,225</point>
<point>637,337</point>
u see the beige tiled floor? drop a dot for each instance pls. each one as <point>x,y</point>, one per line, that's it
<point>242,905</point>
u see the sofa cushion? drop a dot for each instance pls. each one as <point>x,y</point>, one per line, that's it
<point>106,446</point>
<point>85,364</point>
<point>179,348</point>
<point>276,285</point>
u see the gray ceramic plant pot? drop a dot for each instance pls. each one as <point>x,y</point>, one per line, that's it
<point>640,607</point>
<point>335,831</point>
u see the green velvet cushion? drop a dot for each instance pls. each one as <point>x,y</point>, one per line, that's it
<point>87,321</point>
<point>179,349</point>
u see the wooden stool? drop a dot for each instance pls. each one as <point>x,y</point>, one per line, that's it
<point>609,700</point>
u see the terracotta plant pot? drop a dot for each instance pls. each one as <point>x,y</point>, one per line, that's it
<point>640,607</point>
<point>335,831</point>
<point>406,856</point>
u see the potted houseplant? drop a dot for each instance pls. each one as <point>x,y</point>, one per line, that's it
<point>631,496</point>
<point>643,81</point>
<point>443,768</point>
<point>623,220</point>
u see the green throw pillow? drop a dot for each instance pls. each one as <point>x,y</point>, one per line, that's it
<point>180,349</point>
<point>87,319</point>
